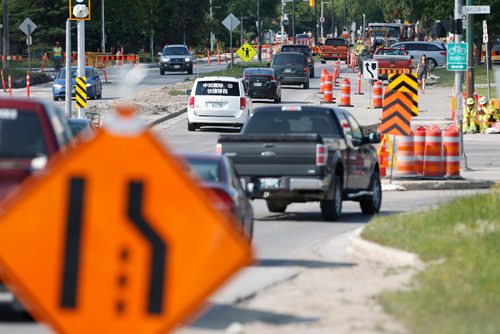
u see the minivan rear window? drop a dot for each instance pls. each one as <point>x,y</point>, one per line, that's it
<point>283,59</point>
<point>336,42</point>
<point>224,88</point>
<point>21,134</point>
<point>295,48</point>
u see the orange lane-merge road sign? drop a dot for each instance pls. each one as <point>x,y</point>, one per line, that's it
<point>396,116</point>
<point>116,238</point>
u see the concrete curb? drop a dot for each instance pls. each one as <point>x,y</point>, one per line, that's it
<point>166,118</point>
<point>440,184</point>
<point>374,252</point>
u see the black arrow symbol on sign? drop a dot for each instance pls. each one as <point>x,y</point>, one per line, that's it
<point>367,66</point>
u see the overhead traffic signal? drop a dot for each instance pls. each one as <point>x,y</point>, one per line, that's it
<point>311,3</point>
<point>79,9</point>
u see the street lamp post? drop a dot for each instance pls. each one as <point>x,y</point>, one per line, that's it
<point>103,38</point>
<point>211,32</point>
<point>322,17</point>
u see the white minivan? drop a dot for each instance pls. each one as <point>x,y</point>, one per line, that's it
<point>215,101</point>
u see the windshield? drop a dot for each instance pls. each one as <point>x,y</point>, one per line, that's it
<point>303,122</point>
<point>223,88</point>
<point>393,31</point>
<point>62,73</point>
<point>176,51</point>
<point>21,135</point>
<point>208,170</point>
<point>391,52</point>
<point>283,59</point>
<point>296,48</point>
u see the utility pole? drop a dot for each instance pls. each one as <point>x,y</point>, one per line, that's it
<point>6,51</point>
<point>293,25</point>
<point>316,23</point>
<point>470,59</point>
<point>458,80</point>
<point>103,37</point>
<point>81,57</point>
<point>211,32</point>
<point>323,16</point>
<point>282,18</point>
<point>333,18</point>
<point>259,34</point>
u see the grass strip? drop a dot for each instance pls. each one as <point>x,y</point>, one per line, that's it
<point>235,71</point>
<point>459,293</point>
<point>447,78</point>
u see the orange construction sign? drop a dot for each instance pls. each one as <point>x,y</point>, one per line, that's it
<point>396,117</point>
<point>116,238</point>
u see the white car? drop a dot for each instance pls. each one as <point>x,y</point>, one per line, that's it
<point>281,35</point>
<point>435,52</point>
<point>215,101</point>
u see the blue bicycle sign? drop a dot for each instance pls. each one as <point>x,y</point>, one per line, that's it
<point>457,57</point>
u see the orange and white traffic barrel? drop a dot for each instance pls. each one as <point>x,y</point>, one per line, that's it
<point>345,93</point>
<point>451,144</point>
<point>405,156</point>
<point>419,146</point>
<point>324,73</point>
<point>433,154</point>
<point>28,84</point>
<point>328,89</point>
<point>377,94</point>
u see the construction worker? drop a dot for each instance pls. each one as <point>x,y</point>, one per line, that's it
<point>359,47</point>
<point>57,56</point>
<point>488,114</point>
<point>470,121</point>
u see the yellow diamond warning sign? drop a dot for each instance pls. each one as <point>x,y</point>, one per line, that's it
<point>246,52</point>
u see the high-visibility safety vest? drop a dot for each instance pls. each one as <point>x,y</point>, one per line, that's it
<point>57,52</point>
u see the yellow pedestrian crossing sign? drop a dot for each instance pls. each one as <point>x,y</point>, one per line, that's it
<point>246,52</point>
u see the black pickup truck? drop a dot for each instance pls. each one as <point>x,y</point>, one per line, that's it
<point>292,154</point>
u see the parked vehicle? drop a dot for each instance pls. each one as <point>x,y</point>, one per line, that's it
<point>94,84</point>
<point>220,176</point>
<point>306,51</point>
<point>31,133</point>
<point>306,153</point>
<point>392,61</point>
<point>303,39</point>
<point>175,58</point>
<point>218,101</point>
<point>291,68</point>
<point>261,83</point>
<point>281,37</point>
<point>435,52</point>
<point>82,126</point>
<point>334,48</point>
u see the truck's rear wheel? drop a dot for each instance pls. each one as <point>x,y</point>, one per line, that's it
<point>370,204</point>
<point>331,209</point>
<point>276,206</point>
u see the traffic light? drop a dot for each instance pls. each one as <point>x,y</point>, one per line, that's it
<point>79,9</point>
<point>311,3</point>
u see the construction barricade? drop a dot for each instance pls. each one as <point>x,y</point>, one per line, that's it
<point>345,93</point>
<point>419,146</point>
<point>324,73</point>
<point>433,163</point>
<point>377,101</point>
<point>405,156</point>
<point>451,145</point>
<point>328,90</point>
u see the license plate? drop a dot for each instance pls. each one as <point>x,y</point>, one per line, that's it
<point>257,84</point>
<point>269,183</point>
<point>288,70</point>
<point>216,105</point>
<point>177,66</point>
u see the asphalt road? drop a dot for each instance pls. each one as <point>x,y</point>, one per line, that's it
<point>281,241</point>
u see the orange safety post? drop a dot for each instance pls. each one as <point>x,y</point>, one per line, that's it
<point>360,76</point>
<point>383,157</point>
<point>3,83</point>
<point>353,63</point>
<point>10,86</point>
<point>28,84</point>
<point>338,68</point>
<point>105,75</point>
<point>328,90</point>
<point>225,57</point>
<point>208,59</point>
<point>335,74</point>
<point>419,146</point>
<point>405,156</point>
<point>433,161</point>
<point>324,73</point>
<point>345,93</point>
<point>451,143</point>
<point>348,59</point>
<point>44,58</point>
<point>377,94</point>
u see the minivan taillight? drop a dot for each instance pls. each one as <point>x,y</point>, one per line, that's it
<point>443,53</point>
<point>218,149</point>
<point>321,154</point>
<point>191,102</point>
<point>306,69</point>
<point>243,103</point>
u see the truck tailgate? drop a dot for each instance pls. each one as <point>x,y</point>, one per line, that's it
<point>273,155</point>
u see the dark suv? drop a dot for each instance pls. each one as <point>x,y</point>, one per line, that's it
<point>175,58</point>
<point>291,68</point>
<point>306,51</point>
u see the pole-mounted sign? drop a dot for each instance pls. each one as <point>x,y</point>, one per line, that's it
<point>79,9</point>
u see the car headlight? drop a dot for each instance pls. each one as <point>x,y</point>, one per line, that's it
<point>165,59</point>
<point>89,84</point>
<point>58,86</point>
<point>187,59</point>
